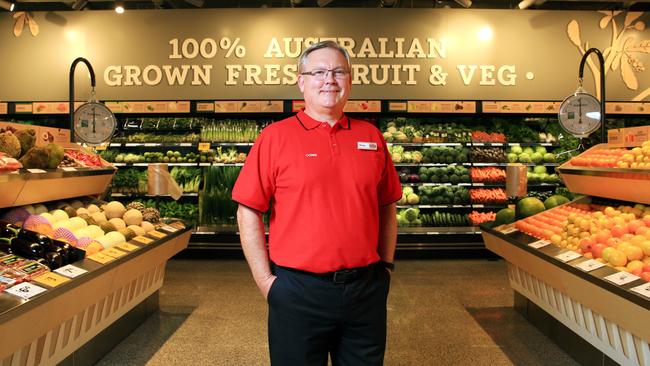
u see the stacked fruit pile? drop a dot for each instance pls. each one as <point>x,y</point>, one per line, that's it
<point>413,217</point>
<point>618,237</point>
<point>488,196</point>
<point>635,158</point>
<point>488,175</point>
<point>539,174</point>
<point>445,154</point>
<point>528,155</point>
<point>488,155</point>
<point>451,174</point>
<point>478,218</point>
<point>480,136</point>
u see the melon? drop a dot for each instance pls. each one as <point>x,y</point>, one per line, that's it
<point>505,216</point>
<point>147,226</point>
<point>104,241</point>
<point>82,211</point>
<point>115,237</point>
<point>65,224</point>
<point>48,216</point>
<point>77,223</point>
<point>529,206</point>
<point>93,208</point>
<point>555,200</point>
<point>114,209</point>
<point>138,230</point>
<point>59,215</point>
<point>39,209</point>
<point>128,233</point>
<point>94,231</point>
<point>107,227</point>
<point>99,217</point>
<point>93,248</point>
<point>133,217</point>
<point>81,233</point>
<point>118,223</point>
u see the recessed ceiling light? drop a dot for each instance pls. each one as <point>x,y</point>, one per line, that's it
<point>119,8</point>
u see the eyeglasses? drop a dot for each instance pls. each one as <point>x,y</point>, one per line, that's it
<point>320,74</point>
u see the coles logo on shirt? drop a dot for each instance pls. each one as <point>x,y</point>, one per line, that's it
<point>311,155</point>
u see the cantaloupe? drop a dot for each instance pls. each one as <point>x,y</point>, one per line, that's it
<point>81,233</point>
<point>114,209</point>
<point>138,230</point>
<point>118,223</point>
<point>65,224</point>
<point>104,241</point>
<point>94,231</point>
<point>133,217</point>
<point>48,216</point>
<point>128,233</point>
<point>99,217</point>
<point>93,208</point>
<point>77,223</point>
<point>107,227</point>
<point>147,226</point>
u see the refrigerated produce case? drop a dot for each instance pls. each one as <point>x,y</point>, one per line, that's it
<point>605,306</point>
<point>48,318</point>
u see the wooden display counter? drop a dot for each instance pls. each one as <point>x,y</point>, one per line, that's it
<point>612,318</point>
<point>47,328</point>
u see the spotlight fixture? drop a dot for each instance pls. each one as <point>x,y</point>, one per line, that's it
<point>386,3</point>
<point>525,4</point>
<point>79,4</point>
<point>119,7</point>
<point>464,3</point>
<point>7,5</point>
<point>196,3</point>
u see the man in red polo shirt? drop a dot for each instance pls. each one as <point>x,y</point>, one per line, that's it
<point>331,187</point>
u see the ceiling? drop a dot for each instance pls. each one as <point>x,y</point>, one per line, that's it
<point>88,5</point>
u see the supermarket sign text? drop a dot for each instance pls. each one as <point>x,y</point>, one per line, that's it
<point>383,71</point>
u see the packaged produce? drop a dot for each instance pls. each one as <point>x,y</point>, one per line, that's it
<point>8,163</point>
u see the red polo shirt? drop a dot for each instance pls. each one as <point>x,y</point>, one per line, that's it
<point>324,186</point>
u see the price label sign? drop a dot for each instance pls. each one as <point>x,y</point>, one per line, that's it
<point>69,169</point>
<point>539,244</point>
<point>589,265</point>
<point>177,224</point>
<point>112,252</point>
<point>25,290</point>
<point>622,278</point>
<point>70,271</point>
<point>643,290</point>
<point>156,234</point>
<point>36,171</point>
<point>508,230</point>
<point>100,147</point>
<point>568,256</point>
<point>204,146</point>
<point>126,246</point>
<point>143,240</point>
<point>51,279</point>
<point>169,228</point>
<point>101,258</point>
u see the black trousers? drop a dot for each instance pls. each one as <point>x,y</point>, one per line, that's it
<point>311,317</point>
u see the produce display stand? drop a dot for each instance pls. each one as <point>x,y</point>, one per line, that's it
<point>49,327</point>
<point>612,318</point>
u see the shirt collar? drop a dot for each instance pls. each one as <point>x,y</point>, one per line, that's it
<point>309,123</point>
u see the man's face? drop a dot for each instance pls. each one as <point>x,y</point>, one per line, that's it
<point>332,92</point>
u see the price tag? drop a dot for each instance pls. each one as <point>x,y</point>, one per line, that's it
<point>589,265</point>
<point>112,252</point>
<point>169,228</point>
<point>101,147</point>
<point>185,144</point>
<point>508,230</point>
<point>36,171</point>
<point>481,206</point>
<point>179,225</point>
<point>69,169</point>
<point>126,246</point>
<point>643,290</point>
<point>51,279</point>
<point>539,244</point>
<point>142,239</point>
<point>70,271</point>
<point>25,290</point>
<point>101,258</point>
<point>622,278</point>
<point>156,234</point>
<point>204,146</point>
<point>568,256</point>
<point>151,144</point>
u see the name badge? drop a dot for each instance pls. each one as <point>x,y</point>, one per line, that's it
<point>367,146</point>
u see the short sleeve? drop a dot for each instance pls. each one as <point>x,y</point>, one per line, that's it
<point>389,189</point>
<point>256,183</point>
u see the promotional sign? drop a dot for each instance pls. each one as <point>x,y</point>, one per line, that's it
<point>241,54</point>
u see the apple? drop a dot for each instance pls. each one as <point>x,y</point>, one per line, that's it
<point>606,252</point>
<point>646,260</point>
<point>617,258</point>
<point>645,276</point>
<point>618,231</point>
<point>635,265</point>
<point>646,220</point>
<point>588,255</point>
<point>637,239</point>
<point>645,246</point>
<point>646,267</point>
<point>621,269</point>
<point>603,235</point>
<point>585,244</point>
<point>597,250</point>
<point>633,253</point>
<point>633,225</point>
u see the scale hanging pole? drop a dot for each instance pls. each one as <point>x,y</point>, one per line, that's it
<point>601,60</point>
<point>71,89</point>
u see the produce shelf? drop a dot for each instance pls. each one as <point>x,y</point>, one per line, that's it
<point>176,144</point>
<point>604,314</point>
<point>425,144</point>
<point>435,184</point>
<point>118,195</point>
<point>176,164</point>
<point>25,187</point>
<point>438,230</point>
<point>492,206</point>
<point>432,164</point>
<point>434,206</point>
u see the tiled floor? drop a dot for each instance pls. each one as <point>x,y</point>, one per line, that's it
<point>441,312</point>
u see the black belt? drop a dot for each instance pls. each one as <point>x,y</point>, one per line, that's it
<point>340,276</point>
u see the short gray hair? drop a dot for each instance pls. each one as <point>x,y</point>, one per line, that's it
<point>319,45</point>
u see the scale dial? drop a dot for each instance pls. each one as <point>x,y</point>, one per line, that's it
<point>580,114</point>
<point>94,123</point>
